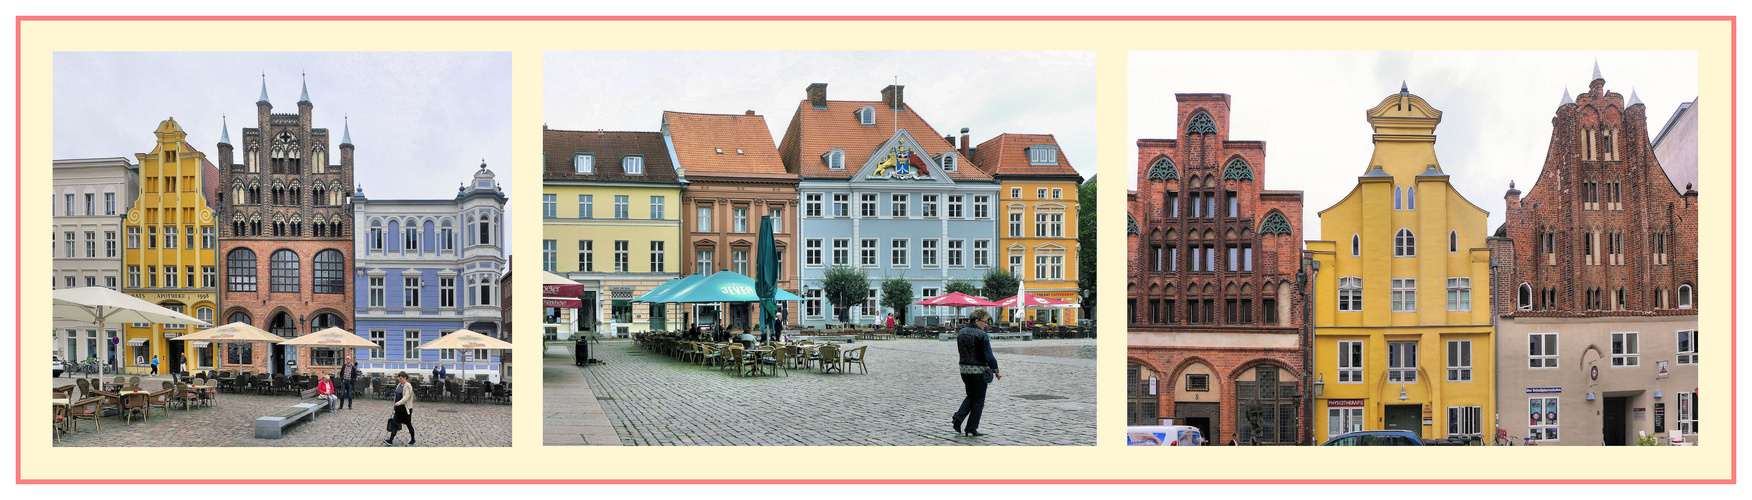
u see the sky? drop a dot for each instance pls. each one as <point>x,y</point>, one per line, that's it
<point>989,92</point>
<point>1309,108</point>
<point>421,122</point>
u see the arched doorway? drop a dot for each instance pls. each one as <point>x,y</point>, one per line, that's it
<point>283,359</point>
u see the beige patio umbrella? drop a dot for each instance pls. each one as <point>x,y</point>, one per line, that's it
<point>466,339</point>
<point>103,306</point>
<point>237,332</point>
<point>333,337</point>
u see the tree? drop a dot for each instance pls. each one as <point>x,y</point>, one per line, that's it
<point>962,286</point>
<point>896,295</point>
<point>1086,247</point>
<point>845,287</point>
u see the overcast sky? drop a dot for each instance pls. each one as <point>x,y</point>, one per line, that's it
<point>989,92</point>
<point>421,122</point>
<point>1309,109</point>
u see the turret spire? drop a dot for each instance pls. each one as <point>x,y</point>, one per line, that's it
<point>1597,70</point>
<point>1566,97</point>
<point>346,131</point>
<point>264,97</point>
<point>305,97</point>
<point>224,131</point>
<point>1634,100</point>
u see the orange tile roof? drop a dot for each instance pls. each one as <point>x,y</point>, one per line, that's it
<point>558,147</point>
<point>707,144</point>
<point>1007,155</point>
<point>814,132</point>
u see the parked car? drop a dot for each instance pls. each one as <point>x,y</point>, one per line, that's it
<point>57,365</point>
<point>1377,438</point>
<point>1163,435</point>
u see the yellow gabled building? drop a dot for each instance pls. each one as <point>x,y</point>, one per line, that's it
<point>1037,217</point>
<point>168,257</point>
<point>1403,335</point>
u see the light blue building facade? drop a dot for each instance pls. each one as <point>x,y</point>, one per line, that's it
<point>424,269</point>
<point>903,212</point>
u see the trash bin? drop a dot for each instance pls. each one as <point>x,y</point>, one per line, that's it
<point>581,350</point>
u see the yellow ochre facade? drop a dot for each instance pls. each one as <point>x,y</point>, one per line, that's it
<point>169,252</point>
<point>585,235</point>
<point>1030,252</point>
<point>1403,335</point>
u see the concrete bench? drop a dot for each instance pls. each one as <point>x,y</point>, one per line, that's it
<point>273,425</point>
<point>994,336</point>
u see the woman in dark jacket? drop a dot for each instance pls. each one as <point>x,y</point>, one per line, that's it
<point>978,368</point>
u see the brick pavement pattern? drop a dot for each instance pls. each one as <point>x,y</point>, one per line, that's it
<point>905,400</point>
<point>570,412</point>
<point>232,423</point>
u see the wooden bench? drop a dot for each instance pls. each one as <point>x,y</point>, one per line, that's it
<point>994,336</point>
<point>273,425</point>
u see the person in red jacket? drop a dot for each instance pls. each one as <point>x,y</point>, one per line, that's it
<point>325,387</point>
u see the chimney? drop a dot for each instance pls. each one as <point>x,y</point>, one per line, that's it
<point>818,95</point>
<point>964,152</point>
<point>894,96</point>
<point>749,113</point>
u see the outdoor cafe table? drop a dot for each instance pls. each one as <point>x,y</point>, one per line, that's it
<point>758,354</point>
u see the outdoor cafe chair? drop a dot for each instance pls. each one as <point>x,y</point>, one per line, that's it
<point>86,409</point>
<point>184,395</point>
<point>777,358</point>
<point>61,420</point>
<point>64,392</point>
<point>712,355</point>
<point>830,358</point>
<point>161,398</point>
<point>856,356</point>
<point>84,387</point>
<point>135,403</point>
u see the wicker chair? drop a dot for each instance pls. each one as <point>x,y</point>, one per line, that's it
<point>856,356</point>
<point>135,404</point>
<point>184,395</point>
<point>161,398</point>
<point>779,358</point>
<point>84,387</point>
<point>86,409</point>
<point>62,418</point>
<point>828,358</point>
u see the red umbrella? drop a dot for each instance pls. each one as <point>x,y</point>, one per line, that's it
<point>956,299</point>
<point>1035,301</point>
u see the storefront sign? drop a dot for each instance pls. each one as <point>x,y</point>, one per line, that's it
<point>1639,414</point>
<point>620,288</point>
<point>1343,403</point>
<point>1544,390</point>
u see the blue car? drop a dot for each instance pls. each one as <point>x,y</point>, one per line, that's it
<point>1377,438</point>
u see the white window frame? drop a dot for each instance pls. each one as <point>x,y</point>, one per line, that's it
<point>1465,422</point>
<point>411,345</point>
<point>1015,224</point>
<point>1341,420</point>
<point>812,205</point>
<point>812,252</point>
<point>957,208</point>
<point>1546,428</point>
<point>1350,294</point>
<point>866,204</point>
<point>982,250</point>
<point>897,253</point>
<point>1686,418</point>
<point>1404,243</point>
<point>1404,294</point>
<point>1459,294</point>
<point>1016,193</point>
<point>1459,355</point>
<point>584,163</point>
<point>957,253</point>
<point>657,207</point>
<point>867,250</point>
<point>550,205</point>
<point>739,219</point>
<point>447,292</point>
<point>928,253</point>
<point>842,205</point>
<point>897,205</point>
<point>703,219</point>
<point>623,256</point>
<point>633,164</point>
<point>411,292</point>
<point>1542,351</point>
<point>550,255</point>
<point>657,256</point>
<point>376,295</point>
<point>842,252</point>
<point>1402,362</point>
<point>982,207</point>
<point>1625,349</point>
<point>622,206</point>
<point>928,206</point>
<point>1685,344</point>
<point>586,206</point>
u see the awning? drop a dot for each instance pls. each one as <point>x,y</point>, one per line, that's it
<point>553,285</point>
<point>137,341</point>
<point>562,302</point>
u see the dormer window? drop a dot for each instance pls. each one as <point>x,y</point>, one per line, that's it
<point>633,165</point>
<point>948,161</point>
<point>867,115</point>
<point>584,163</point>
<point>836,159</point>
<point>1043,154</point>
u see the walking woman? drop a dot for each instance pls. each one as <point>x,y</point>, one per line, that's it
<point>404,408</point>
<point>978,368</point>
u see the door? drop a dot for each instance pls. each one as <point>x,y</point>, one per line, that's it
<point>1612,428</point>
<point>1204,416</point>
<point>175,358</point>
<point>1405,418</point>
<point>278,360</point>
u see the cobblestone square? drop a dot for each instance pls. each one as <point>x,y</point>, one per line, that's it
<point>232,423</point>
<point>1046,398</point>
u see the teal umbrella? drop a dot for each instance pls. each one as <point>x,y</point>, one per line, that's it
<point>766,276</point>
<point>725,286</point>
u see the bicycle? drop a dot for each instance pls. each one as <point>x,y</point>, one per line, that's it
<point>1504,439</point>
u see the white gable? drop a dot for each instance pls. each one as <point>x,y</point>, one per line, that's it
<point>882,164</point>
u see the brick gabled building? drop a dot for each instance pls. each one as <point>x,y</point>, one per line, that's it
<point>1596,277</point>
<point>285,233</point>
<point>1213,300</point>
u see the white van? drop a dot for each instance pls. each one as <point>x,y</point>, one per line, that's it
<point>1163,435</point>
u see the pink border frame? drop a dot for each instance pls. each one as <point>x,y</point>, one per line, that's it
<point>18,244</point>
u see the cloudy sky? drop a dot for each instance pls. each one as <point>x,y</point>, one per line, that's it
<point>1309,109</point>
<point>989,92</point>
<point>421,122</point>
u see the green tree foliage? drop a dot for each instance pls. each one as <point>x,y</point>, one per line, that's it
<point>962,286</point>
<point>1086,247</point>
<point>1000,284</point>
<point>897,294</point>
<point>845,287</point>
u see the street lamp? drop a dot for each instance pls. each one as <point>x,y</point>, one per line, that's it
<point>1319,385</point>
<point>1402,396</point>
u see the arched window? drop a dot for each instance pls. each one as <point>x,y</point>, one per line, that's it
<point>325,321</point>
<point>376,242</point>
<point>1404,244</point>
<point>204,313</point>
<point>1398,198</point>
<point>867,115</point>
<point>1524,297</point>
<point>238,317</point>
<point>283,272</point>
<point>1411,198</point>
<point>240,270</point>
<point>330,273</point>
<point>1685,296</point>
<point>486,228</point>
<point>283,325</point>
<point>1453,241</point>
<point>1356,245</point>
<point>1201,123</point>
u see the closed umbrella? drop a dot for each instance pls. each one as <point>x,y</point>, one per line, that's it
<point>766,280</point>
<point>466,339</point>
<point>102,306</point>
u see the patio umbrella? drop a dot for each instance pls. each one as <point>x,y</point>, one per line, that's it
<point>102,305</point>
<point>466,339</point>
<point>333,337</point>
<point>956,300</point>
<point>766,279</point>
<point>662,292</point>
<point>1025,300</point>
<point>238,332</point>
<point>725,286</point>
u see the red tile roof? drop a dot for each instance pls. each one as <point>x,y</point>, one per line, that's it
<point>559,146</point>
<point>707,144</point>
<point>814,132</point>
<point>1007,155</point>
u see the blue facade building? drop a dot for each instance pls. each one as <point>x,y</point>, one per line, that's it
<point>881,191</point>
<point>426,268</point>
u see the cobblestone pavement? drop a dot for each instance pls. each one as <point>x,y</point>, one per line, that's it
<point>1047,397</point>
<point>232,423</point>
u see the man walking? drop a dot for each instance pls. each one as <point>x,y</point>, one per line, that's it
<point>349,374</point>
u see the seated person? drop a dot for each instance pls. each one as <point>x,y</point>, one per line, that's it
<point>325,387</point>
